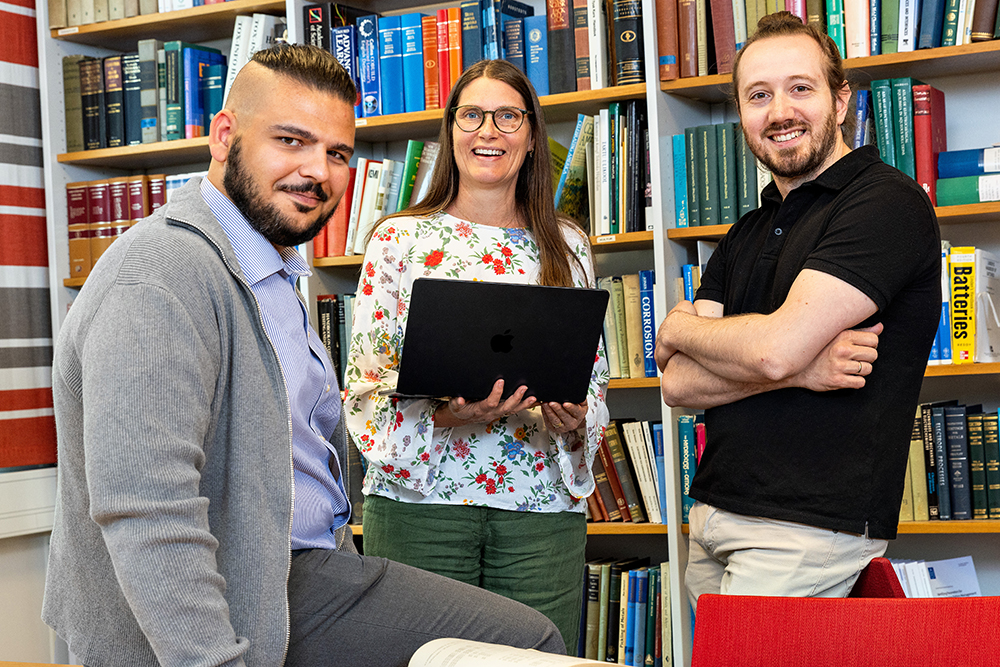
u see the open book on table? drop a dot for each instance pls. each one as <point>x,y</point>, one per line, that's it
<point>450,652</point>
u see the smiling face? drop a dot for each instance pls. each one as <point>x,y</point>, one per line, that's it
<point>790,117</point>
<point>282,157</point>
<point>489,158</point>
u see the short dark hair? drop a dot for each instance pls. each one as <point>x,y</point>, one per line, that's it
<point>785,24</point>
<point>311,66</point>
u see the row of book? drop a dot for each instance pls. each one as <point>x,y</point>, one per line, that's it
<point>335,317</point>
<point>969,330</point>
<point>701,37</point>
<point>953,469</point>
<point>409,62</point>
<point>626,613</point>
<point>629,474</point>
<point>948,578</point>
<point>630,324</point>
<point>69,13</point>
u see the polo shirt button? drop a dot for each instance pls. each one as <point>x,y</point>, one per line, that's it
<point>777,232</point>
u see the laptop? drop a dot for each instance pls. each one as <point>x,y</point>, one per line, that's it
<point>462,336</point>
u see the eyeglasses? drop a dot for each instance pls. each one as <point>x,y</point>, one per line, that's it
<point>506,119</point>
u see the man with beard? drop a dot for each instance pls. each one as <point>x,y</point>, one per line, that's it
<point>201,518</point>
<point>807,341</point>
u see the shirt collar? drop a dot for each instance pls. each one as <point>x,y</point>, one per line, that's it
<point>257,257</point>
<point>835,177</point>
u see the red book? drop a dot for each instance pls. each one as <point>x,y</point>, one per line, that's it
<point>443,64</point>
<point>118,203</point>
<point>582,38</point>
<point>336,231</point>
<point>454,45</point>
<point>797,7</point>
<point>98,218</point>
<point>724,32</point>
<point>79,232</point>
<point>157,191</point>
<point>319,241</point>
<point>687,37</point>
<point>595,508</point>
<point>929,135</point>
<point>138,198</point>
<point>667,49</point>
<point>607,496</point>
<point>616,485</point>
<point>428,24</point>
<point>700,440</point>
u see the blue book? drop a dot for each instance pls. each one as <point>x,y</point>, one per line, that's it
<point>195,62</point>
<point>875,23</point>
<point>660,470</point>
<point>639,631</point>
<point>413,62</point>
<point>390,54</point>
<point>935,356</point>
<point>971,162</point>
<point>536,40</point>
<point>629,657</point>
<point>509,10</point>
<point>941,463</point>
<point>689,461</point>
<point>368,66</point>
<point>472,33</point>
<point>862,112</point>
<point>491,31</point>
<point>513,34</point>
<point>580,119</point>
<point>931,24</point>
<point>646,280</point>
<point>212,89</point>
<point>687,272</point>
<point>680,181</point>
<point>344,46</point>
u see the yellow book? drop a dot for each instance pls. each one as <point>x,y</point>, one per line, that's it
<point>917,470</point>
<point>962,280</point>
<point>906,503</point>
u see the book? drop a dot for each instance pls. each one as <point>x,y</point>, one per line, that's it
<point>917,470</point>
<point>454,651</point>
<point>513,36</point>
<point>73,103</point>
<point>909,17</point>
<point>360,180</point>
<point>987,298</point>
<point>443,63</point>
<point>956,441</point>
<point>138,198</point>
<point>968,190</point>
<point>422,179</point>
<point>949,31</point>
<point>78,230</point>
<point>472,33</point>
<point>627,60</point>
<point>386,177</point>
<point>882,105</point>
<point>571,195</point>
<point>454,45</point>
<point>941,462</point>
<point>693,191</point>
<point>889,26</point>
<point>369,197</point>
<point>131,103</point>
<point>643,468</point>
<point>597,44</point>
<point>725,143</point>
<point>603,489</point>
<point>195,63</point>
<point>688,461</point>
<point>99,229</point>
<point>610,330</point>
<point>608,463</point>
<point>592,608</point>
<point>977,465</point>
<point>561,47</point>
<point>984,21</point>
<point>212,89</point>
<point>971,162</point>
<point>506,11</point>
<point>667,40</point>
<point>536,42</point>
<point>93,104</point>
<point>368,66</point>
<point>344,45</point>
<point>625,476</point>
<point>149,119</point>
<point>930,136</point>
<point>707,174</point>
<point>390,53</point>
<point>991,453</point>
<point>835,25</point>
<point>962,274</point>
<point>648,320</point>
<point>581,38</point>
<point>902,104</point>
<point>679,158</point>
<point>746,175</point>
<point>931,23</point>
<point>428,30</point>
<point>617,305</point>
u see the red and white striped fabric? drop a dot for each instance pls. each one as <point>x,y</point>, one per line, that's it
<point>27,425</point>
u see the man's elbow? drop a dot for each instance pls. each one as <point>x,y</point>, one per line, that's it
<point>672,389</point>
<point>777,365</point>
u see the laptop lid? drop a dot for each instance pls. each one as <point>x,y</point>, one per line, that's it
<point>462,336</point>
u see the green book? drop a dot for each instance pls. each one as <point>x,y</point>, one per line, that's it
<point>652,611</point>
<point>614,173</point>
<point>174,75</point>
<point>73,103</point>
<point>884,132</point>
<point>949,32</point>
<point>977,466</point>
<point>889,26</point>
<point>746,174</point>
<point>835,25</point>
<point>726,151</point>
<point>707,174</point>
<point>604,596</point>
<point>410,164</point>
<point>991,452</point>
<point>968,190</point>
<point>690,146</point>
<point>618,304</point>
<point>902,105</point>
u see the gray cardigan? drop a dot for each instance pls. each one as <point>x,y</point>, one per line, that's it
<point>171,542</point>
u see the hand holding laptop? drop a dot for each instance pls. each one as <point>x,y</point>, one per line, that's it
<point>458,411</point>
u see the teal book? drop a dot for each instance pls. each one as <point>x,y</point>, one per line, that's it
<point>902,106</point>
<point>615,172</point>
<point>708,174</point>
<point>968,190</point>
<point>835,25</point>
<point>679,155</point>
<point>949,27</point>
<point>572,197</point>
<point>212,87</point>
<point>726,153</point>
<point>691,154</point>
<point>746,175</point>
<point>685,438</point>
<point>196,63</point>
<point>652,613</point>
<point>884,120</point>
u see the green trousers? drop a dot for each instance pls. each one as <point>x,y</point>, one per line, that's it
<point>531,557</point>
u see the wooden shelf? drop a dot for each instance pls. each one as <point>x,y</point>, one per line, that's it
<point>920,64</point>
<point>948,527</point>
<point>618,242</point>
<point>352,261</point>
<point>634,383</point>
<point>198,24</point>
<point>144,156</point>
<point>949,370</point>
<point>695,233</point>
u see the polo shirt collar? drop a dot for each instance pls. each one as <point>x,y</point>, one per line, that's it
<point>836,177</point>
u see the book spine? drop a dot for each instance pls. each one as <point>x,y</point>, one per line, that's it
<point>391,65</point>
<point>949,28</point>
<point>561,47</point>
<point>344,45</point>
<point>708,174</point>
<point>667,45</point>
<point>492,39</point>
<point>174,123</point>
<point>726,151</point>
<point>368,66</point>
<point>316,25</point>
<point>454,45</point>
<point>991,452</point>
<point>413,65</point>
<point>581,38</point>
<point>930,463</point>
<point>884,119</point>
<point>625,477</point>
<point>835,25</point>
<point>902,104</point>
<point>597,35</point>
<point>746,174</point>
<point>941,463</point>
<point>603,485</point>
<point>73,103</point>
<point>889,24</point>
<point>977,467</point>
<point>149,119</point>
<point>626,21</point>
<point>918,470</point>
<point>908,19</point>
<point>679,155</point>
<point>428,30</point>
<point>213,88</point>
<point>956,440</point>
<point>875,27</point>
<point>131,103</point>
<point>79,231</point>
<point>931,23</point>
<point>972,162</point>
<point>513,32</point>
<point>688,461</point>
<point>443,65</point>
<point>472,33</point>
<point>114,96</point>
<point>694,192</point>
<point>646,280</point>
<point>537,44</point>
<point>968,190</point>
<point>962,269</point>
<point>984,19</point>
<point>98,218</point>
<point>857,28</point>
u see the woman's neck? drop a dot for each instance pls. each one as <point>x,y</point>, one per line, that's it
<point>487,208</point>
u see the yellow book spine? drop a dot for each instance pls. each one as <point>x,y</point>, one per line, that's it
<point>962,277</point>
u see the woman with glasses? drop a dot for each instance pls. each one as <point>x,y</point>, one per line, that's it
<point>488,492</point>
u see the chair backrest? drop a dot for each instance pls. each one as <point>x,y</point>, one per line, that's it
<point>878,580</point>
<point>750,631</point>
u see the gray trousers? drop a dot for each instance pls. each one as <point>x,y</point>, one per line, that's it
<point>348,610</point>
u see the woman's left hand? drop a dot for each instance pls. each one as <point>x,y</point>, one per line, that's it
<point>564,417</point>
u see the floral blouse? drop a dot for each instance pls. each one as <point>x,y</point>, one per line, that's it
<point>513,463</point>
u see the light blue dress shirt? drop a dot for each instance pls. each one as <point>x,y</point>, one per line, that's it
<point>321,505</point>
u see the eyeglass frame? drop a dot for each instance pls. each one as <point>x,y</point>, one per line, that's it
<point>492,114</point>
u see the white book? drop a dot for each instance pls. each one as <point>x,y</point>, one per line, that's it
<point>953,578</point>
<point>701,19</point>
<point>262,31</point>
<point>705,250</point>
<point>643,471</point>
<point>422,179</point>
<point>366,213</point>
<point>966,31</point>
<point>764,178</point>
<point>595,200</point>
<point>597,35</point>
<point>392,194</point>
<point>740,23</point>
<point>455,652</point>
<point>237,51</point>
<point>164,6</point>
<point>389,168</point>
<point>666,627</point>
<point>857,29</point>
<point>908,18</point>
<point>647,435</point>
<point>610,332</point>
<point>181,4</point>
<point>352,221</point>
<point>987,308</point>
<point>605,177</point>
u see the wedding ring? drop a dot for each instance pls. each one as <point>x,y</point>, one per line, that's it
<point>861,367</point>
<point>557,424</point>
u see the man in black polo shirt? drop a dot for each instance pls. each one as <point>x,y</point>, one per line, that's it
<point>807,341</point>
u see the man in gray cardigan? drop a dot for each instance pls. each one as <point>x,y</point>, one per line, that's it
<point>201,518</point>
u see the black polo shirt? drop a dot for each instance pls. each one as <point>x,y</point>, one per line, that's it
<point>834,459</point>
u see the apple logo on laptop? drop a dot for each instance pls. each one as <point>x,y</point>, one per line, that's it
<point>502,342</point>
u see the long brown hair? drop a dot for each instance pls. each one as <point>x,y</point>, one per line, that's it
<point>533,192</point>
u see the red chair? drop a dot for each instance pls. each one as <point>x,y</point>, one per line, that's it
<point>752,631</point>
<point>878,580</point>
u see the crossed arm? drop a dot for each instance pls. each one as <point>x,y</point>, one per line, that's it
<point>709,360</point>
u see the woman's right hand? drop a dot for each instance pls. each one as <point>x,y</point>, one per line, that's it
<point>458,411</point>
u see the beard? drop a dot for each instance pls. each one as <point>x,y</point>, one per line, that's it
<point>792,163</point>
<point>272,224</point>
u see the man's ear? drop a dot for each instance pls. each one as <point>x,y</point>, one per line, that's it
<point>843,98</point>
<point>221,133</point>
